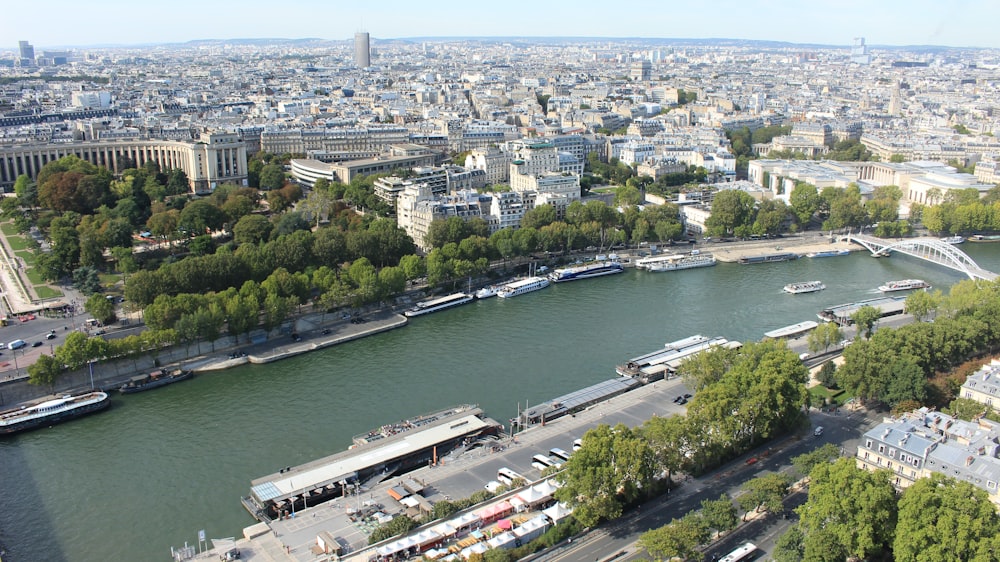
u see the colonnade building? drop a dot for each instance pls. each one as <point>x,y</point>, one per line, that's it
<point>215,159</point>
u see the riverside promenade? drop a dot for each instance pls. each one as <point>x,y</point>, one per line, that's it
<point>314,331</point>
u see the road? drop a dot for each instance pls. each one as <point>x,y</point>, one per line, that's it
<point>610,540</point>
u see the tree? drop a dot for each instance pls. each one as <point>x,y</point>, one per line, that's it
<point>788,547</point>
<point>765,493</point>
<point>806,462</point>
<point>680,539</point>
<point>941,518</point>
<point>253,229</point>
<point>44,371</point>
<point>850,512</point>
<point>606,473</point>
<point>865,319</point>
<point>805,201</point>
<point>101,308</point>
<point>824,336</point>
<point>719,514</point>
<point>731,210</point>
<point>922,304</point>
<point>87,280</point>
<point>542,215</point>
<point>827,375</point>
<point>200,217</point>
<point>967,409</point>
<point>272,177</point>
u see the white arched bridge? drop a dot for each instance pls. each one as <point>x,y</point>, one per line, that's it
<point>925,248</point>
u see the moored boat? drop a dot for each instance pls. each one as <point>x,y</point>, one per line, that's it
<point>683,262</point>
<point>804,287</point>
<point>522,286</point>
<point>769,258</point>
<point>53,411</point>
<point>487,292</point>
<point>953,240</point>
<point>984,238</point>
<point>586,271</point>
<point>903,285</point>
<point>828,253</point>
<point>434,305</point>
<point>153,380</point>
<point>792,331</point>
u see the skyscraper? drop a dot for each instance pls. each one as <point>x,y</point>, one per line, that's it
<point>859,52</point>
<point>27,53</point>
<point>362,50</point>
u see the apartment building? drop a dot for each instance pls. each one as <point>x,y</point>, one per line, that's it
<point>983,386</point>
<point>924,442</point>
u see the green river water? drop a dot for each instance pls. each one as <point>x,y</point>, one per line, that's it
<point>130,483</point>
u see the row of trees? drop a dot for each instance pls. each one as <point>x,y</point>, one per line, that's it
<point>894,365</point>
<point>591,224</point>
<point>962,211</point>
<point>744,397</point>
<point>855,514</point>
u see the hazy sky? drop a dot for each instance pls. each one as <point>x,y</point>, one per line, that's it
<point>55,23</point>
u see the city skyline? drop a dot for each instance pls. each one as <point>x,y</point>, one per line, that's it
<point>968,23</point>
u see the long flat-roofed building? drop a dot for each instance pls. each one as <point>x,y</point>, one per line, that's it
<point>215,159</point>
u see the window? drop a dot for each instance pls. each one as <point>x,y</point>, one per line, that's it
<point>881,449</point>
<point>868,444</point>
<point>892,453</point>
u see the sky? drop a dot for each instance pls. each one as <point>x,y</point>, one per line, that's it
<point>71,23</point>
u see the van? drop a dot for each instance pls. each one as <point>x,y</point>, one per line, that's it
<point>16,344</point>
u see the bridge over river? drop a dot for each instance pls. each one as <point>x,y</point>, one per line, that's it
<point>925,248</point>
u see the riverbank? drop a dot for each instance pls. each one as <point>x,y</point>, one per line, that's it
<point>314,331</point>
<point>313,335</point>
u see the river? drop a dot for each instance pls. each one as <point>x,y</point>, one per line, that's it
<point>158,467</point>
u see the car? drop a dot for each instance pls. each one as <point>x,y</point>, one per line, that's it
<point>50,336</point>
<point>687,396</point>
<point>683,401</point>
<point>37,344</point>
<point>678,399</point>
<point>818,431</point>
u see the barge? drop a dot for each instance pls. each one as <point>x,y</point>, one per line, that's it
<point>53,411</point>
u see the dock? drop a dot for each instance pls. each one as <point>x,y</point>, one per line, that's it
<point>295,488</point>
<point>841,314</point>
<point>659,364</point>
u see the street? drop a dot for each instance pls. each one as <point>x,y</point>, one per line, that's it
<point>610,540</point>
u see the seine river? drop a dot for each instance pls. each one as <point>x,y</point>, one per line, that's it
<point>159,466</point>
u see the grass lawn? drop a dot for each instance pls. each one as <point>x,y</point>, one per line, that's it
<point>9,229</point>
<point>18,242</point>
<point>833,397</point>
<point>46,292</point>
<point>35,277</point>
<point>109,279</point>
<point>27,255</point>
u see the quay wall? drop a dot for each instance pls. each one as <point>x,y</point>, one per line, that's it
<point>201,357</point>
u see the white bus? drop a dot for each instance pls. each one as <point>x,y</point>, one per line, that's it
<point>558,454</point>
<point>541,462</point>
<point>508,476</point>
<point>741,553</point>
